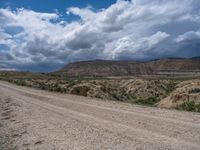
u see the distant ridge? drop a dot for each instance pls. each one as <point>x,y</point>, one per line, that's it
<point>196,58</point>
<point>129,68</point>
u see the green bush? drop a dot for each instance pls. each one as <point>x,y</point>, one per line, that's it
<point>20,82</point>
<point>148,101</point>
<point>118,94</point>
<point>72,83</point>
<point>189,106</point>
<point>170,86</point>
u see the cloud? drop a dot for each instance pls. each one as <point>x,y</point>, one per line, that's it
<point>188,36</point>
<point>137,29</point>
<point>8,69</point>
<point>3,36</point>
<point>126,48</point>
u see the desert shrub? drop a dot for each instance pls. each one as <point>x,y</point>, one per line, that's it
<point>41,85</point>
<point>119,94</point>
<point>189,106</point>
<point>59,89</point>
<point>80,90</point>
<point>197,107</point>
<point>72,83</point>
<point>19,82</point>
<point>195,90</point>
<point>170,86</point>
<point>148,101</point>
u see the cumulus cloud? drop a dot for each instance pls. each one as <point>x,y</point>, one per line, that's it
<point>188,36</point>
<point>137,29</point>
<point>126,48</point>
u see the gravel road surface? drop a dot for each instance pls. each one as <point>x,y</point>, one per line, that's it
<point>35,119</point>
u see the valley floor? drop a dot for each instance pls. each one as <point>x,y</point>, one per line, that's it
<point>35,119</point>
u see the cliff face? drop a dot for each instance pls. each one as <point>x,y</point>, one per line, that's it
<point>126,68</point>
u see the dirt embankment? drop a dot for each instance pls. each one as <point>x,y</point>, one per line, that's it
<point>167,93</point>
<point>118,89</point>
<point>185,96</point>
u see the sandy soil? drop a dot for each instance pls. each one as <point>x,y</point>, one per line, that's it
<point>34,119</point>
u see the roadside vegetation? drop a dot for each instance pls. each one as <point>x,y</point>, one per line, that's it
<point>151,101</point>
<point>149,92</point>
<point>189,106</point>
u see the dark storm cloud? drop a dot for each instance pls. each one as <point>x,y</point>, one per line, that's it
<point>138,29</point>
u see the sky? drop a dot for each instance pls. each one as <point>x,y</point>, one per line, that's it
<point>41,35</point>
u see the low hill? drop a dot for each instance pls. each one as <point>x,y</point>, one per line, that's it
<point>129,68</point>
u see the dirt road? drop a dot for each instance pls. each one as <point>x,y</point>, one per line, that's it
<point>35,119</point>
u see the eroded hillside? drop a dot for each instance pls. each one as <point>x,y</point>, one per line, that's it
<point>186,96</point>
<point>178,66</point>
<point>168,93</point>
